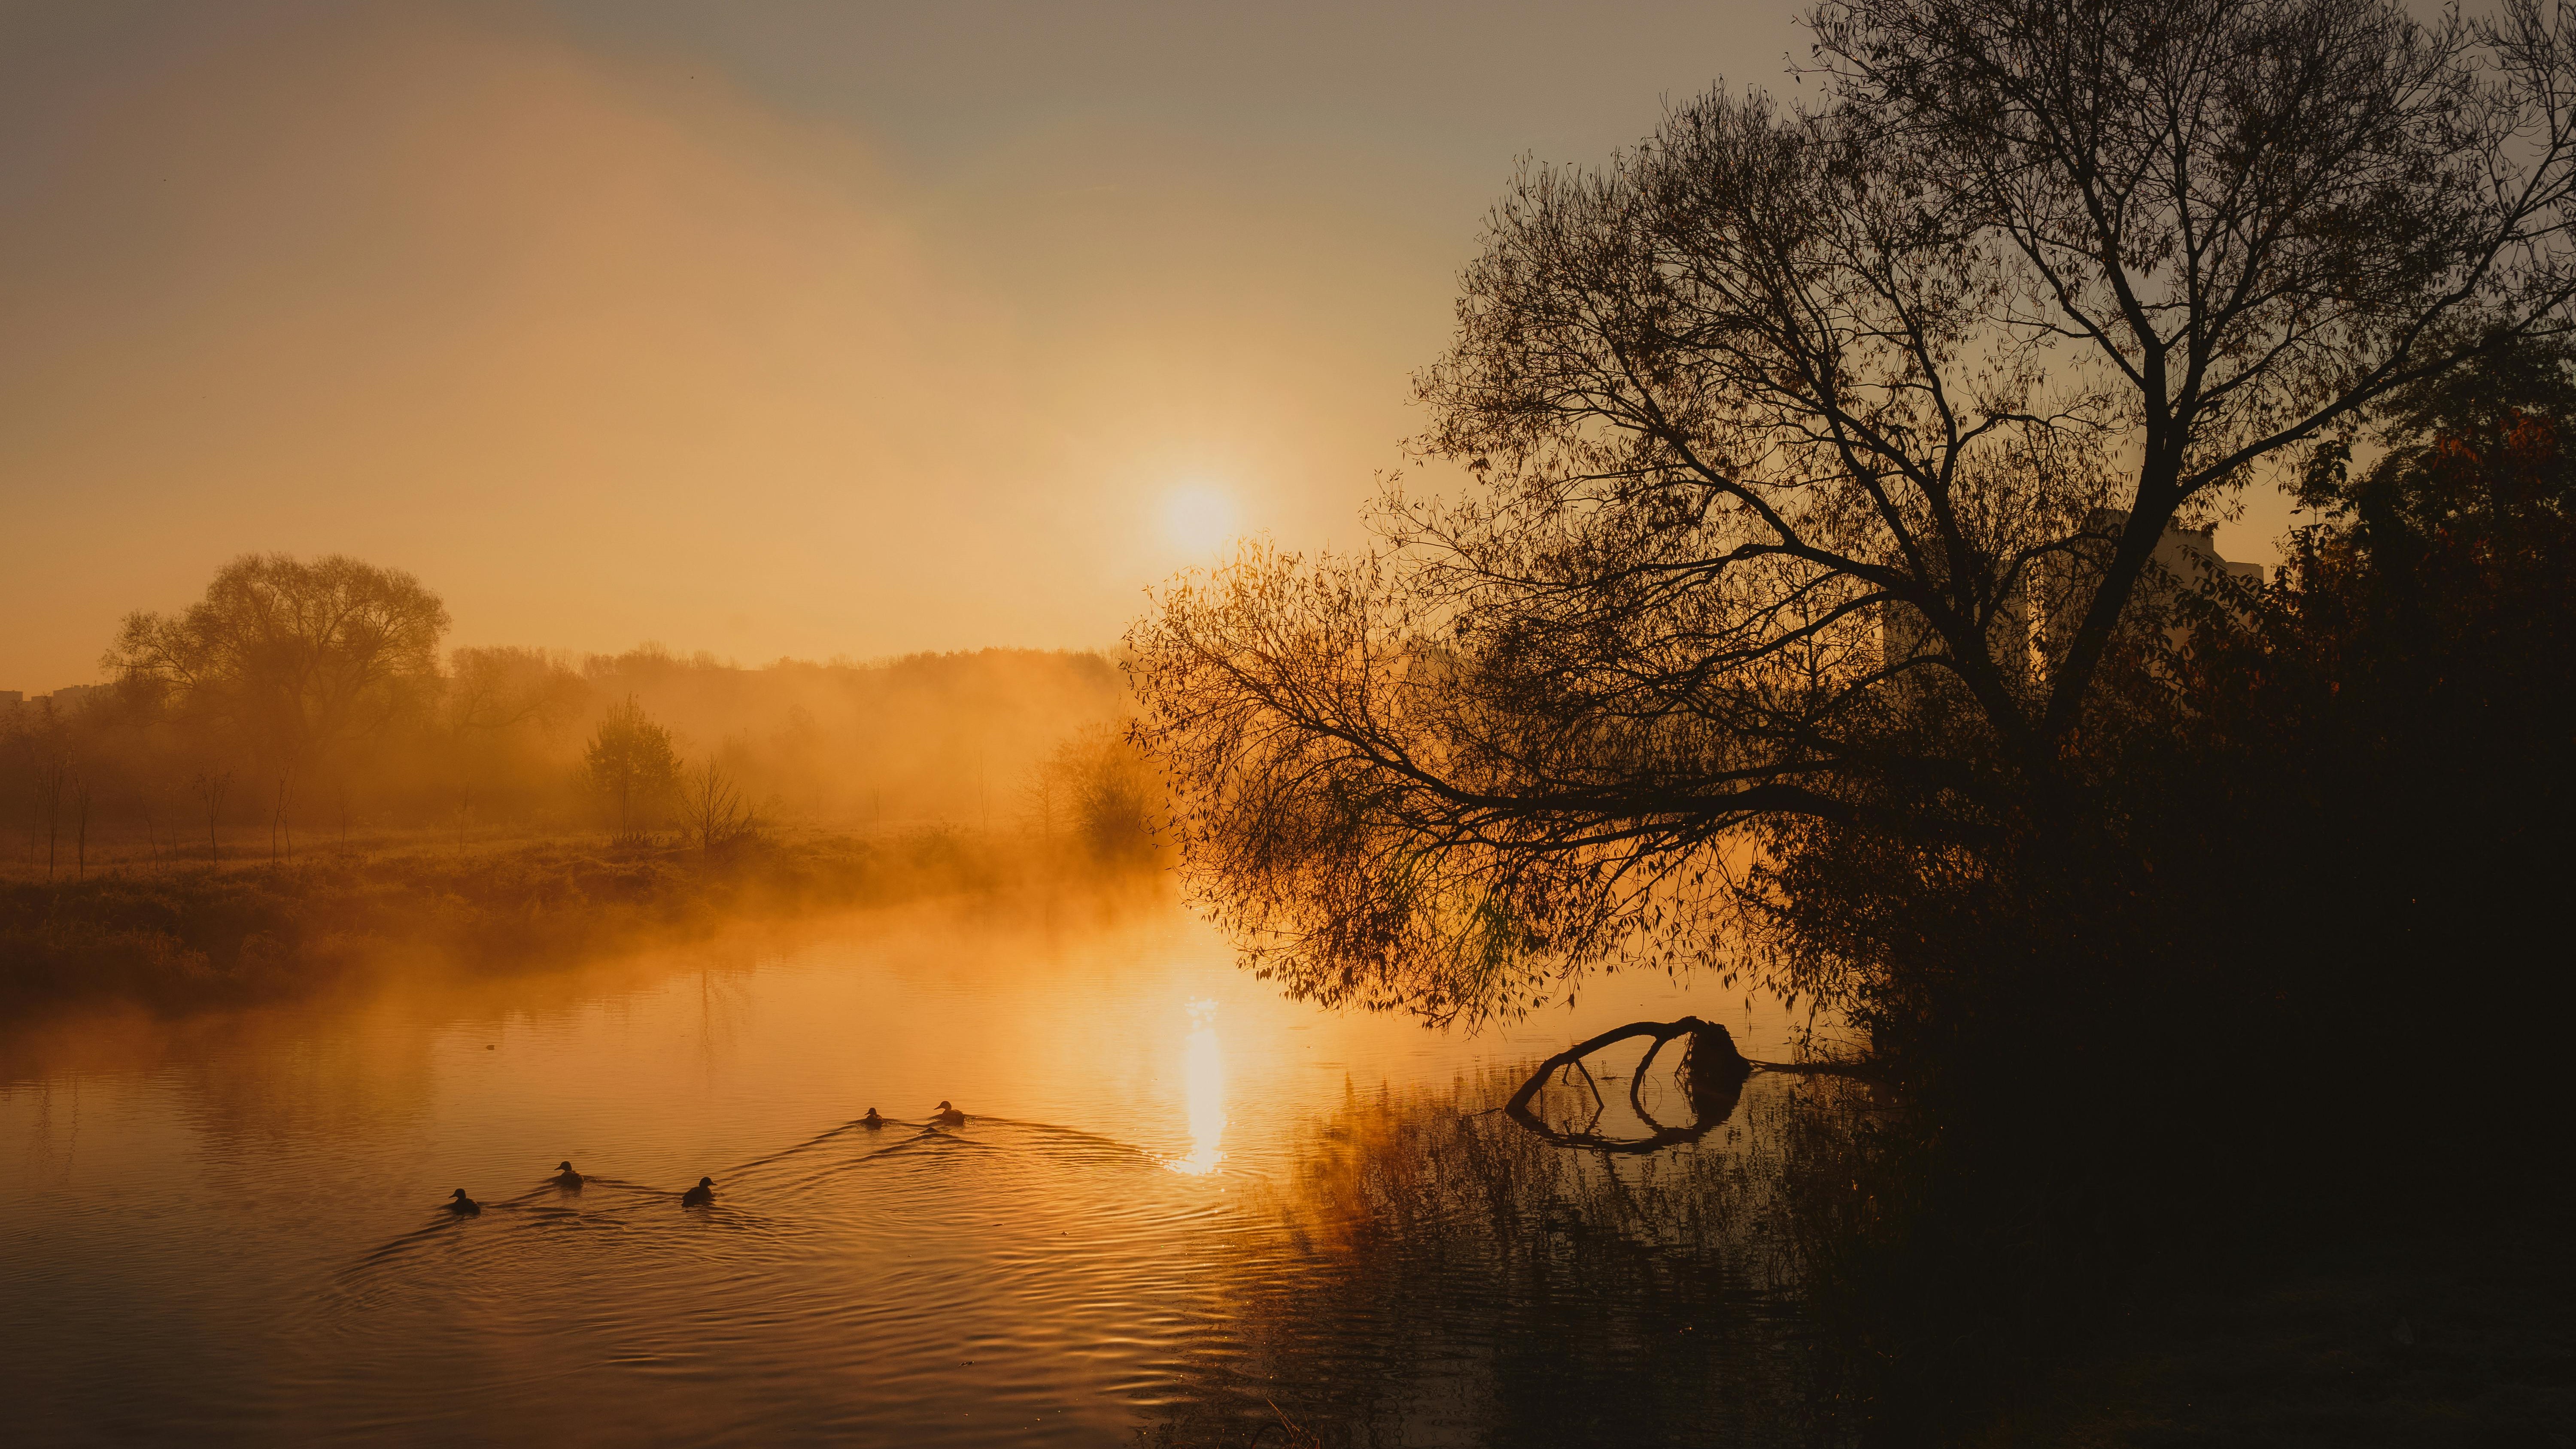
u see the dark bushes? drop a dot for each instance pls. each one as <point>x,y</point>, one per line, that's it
<point>2271,973</point>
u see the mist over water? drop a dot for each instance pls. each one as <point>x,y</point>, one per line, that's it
<point>1181,1207</point>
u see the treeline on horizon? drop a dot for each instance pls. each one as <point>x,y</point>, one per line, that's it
<point>289,784</point>
<point>304,702</point>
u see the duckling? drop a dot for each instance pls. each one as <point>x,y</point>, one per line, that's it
<point>948,1116</point>
<point>461,1205</point>
<point>566,1178</point>
<point>703,1195</point>
<point>872,1121</point>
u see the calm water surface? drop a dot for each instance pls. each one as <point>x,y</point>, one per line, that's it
<point>1183,1210</point>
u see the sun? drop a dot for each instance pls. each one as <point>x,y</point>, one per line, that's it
<point>1199,518</point>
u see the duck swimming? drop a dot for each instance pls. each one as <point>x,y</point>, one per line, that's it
<point>872,1119</point>
<point>462,1205</point>
<point>703,1195</point>
<point>948,1116</point>
<point>566,1178</point>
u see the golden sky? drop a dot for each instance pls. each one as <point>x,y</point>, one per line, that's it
<point>761,327</point>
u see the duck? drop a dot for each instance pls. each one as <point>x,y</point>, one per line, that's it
<point>461,1205</point>
<point>872,1121</point>
<point>948,1116</point>
<point>703,1195</point>
<point>566,1178</point>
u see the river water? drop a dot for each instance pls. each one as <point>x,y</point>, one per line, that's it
<point>1183,1210</point>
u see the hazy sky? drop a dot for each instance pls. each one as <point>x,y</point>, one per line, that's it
<point>764,328</point>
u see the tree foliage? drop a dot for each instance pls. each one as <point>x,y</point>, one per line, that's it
<point>296,661</point>
<point>1098,784</point>
<point>630,764</point>
<point>1789,427</point>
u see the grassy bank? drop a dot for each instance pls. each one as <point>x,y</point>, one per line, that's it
<point>195,936</point>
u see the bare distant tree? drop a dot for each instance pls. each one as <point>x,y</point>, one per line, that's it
<point>211,786</point>
<point>50,777</point>
<point>1780,420</point>
<point>496,688</point>
<point>712,808</point>
<point>80,836</point>
<point>1042,800</point>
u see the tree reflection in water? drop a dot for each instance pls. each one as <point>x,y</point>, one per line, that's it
<point>1431,1271</point>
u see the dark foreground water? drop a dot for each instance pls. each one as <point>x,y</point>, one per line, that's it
<point>1183,1211</point>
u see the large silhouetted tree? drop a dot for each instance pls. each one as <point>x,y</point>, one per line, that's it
<point>292,661</point>
<point>1790,429</point>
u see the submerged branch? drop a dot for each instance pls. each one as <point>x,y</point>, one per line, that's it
<point>1712,1072</point>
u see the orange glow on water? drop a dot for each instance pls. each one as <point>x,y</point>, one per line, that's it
<point>1145,1097</point>
<point>1203,1078</point>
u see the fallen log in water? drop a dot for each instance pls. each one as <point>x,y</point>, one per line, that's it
<point>1712,1075</point>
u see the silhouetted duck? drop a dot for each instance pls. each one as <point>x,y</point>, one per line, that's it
<point>948,1116</point>
<point>566,1178</point>
<point>872,1120</point>
<point>703,1195</point>
<point>462,1205</point>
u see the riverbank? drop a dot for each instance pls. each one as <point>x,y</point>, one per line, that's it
<point>2030,1290</point>
<point>194,936</point>
<point>2455,1333</point>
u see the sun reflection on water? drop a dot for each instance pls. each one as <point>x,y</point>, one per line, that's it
<point>1203,1079</point>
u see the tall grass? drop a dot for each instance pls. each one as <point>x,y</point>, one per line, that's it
<point>1427,1270</point>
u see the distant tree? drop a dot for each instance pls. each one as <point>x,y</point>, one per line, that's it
<point>1042,798</point>
<point>50,777</point>
<point>712,808</point>
<point>80,839</point>
<point>1779,421</point>
<point>1104,788</point>
<point>630,763</point>
<point>499,722</point>
<point>495,689</point>
<point>2485,451</point>
<point>210,787</point>
<point>294,660</point>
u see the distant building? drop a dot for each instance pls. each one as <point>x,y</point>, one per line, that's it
<point>68,700</point>
<point>2185,562</point>
<point>2036,623</point>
